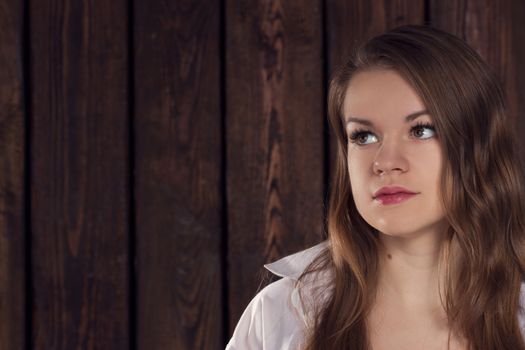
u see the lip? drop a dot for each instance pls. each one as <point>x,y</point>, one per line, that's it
<point>393,195</point>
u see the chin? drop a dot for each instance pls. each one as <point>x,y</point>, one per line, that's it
<point>398,233</point>
<point>407,230</point>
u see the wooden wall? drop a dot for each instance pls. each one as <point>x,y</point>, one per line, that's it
<point>154,154</point>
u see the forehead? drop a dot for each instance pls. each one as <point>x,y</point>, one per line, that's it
<point>380,93</point>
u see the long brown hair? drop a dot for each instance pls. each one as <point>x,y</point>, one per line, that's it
<point>481,188</point>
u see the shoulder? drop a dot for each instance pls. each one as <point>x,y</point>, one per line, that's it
<point>271,320</point>
<point>274,318</point>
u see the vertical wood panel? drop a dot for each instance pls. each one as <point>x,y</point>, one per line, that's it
<point>274,136</point>
<point>178,175</point>
<point>515,76</point>
<point>495,29</point>
<point>79,209</point>
<point>12,149</point>
<point>351,22</point>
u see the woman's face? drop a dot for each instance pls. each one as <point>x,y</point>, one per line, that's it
<point>387,147</point>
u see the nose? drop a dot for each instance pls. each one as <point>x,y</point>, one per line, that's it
<point>389,158</point>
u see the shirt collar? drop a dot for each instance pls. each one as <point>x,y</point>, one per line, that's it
<point>293,265</point>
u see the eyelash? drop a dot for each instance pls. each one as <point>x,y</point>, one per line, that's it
<point>357,133</point>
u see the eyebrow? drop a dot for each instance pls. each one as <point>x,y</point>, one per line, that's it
<point>408,118</point>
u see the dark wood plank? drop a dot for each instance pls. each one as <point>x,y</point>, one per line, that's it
<point>12,149</point>
<point>275,155</point>
<point>515,76</point>
<point>350,22</point>
<point>79,179</point>
<point>495,29</point>
<point>178,175</point>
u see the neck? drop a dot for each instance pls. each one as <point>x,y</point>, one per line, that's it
<point>408,270</point>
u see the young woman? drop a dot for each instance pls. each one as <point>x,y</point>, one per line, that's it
<point>426,233</point>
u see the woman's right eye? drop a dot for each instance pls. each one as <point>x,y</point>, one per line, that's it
<point>359,137</point>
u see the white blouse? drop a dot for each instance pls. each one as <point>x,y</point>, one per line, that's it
<point>275,318</point>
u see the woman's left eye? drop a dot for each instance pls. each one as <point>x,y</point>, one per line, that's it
<point>421,127</point>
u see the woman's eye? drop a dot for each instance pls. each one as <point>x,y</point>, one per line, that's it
<point>419,131</point>
<point>359,137</point>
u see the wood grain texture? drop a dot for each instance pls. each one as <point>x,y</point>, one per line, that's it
<point>12,171</point>
<point>79,179</point>
<point>178,175</point>
<point>274,78</point>
<point>515,87</point>
<point>495,29</point>
<point>349,23</point>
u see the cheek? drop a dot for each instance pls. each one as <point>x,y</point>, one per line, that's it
<point>432,162</point>
<point>358,166</point>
